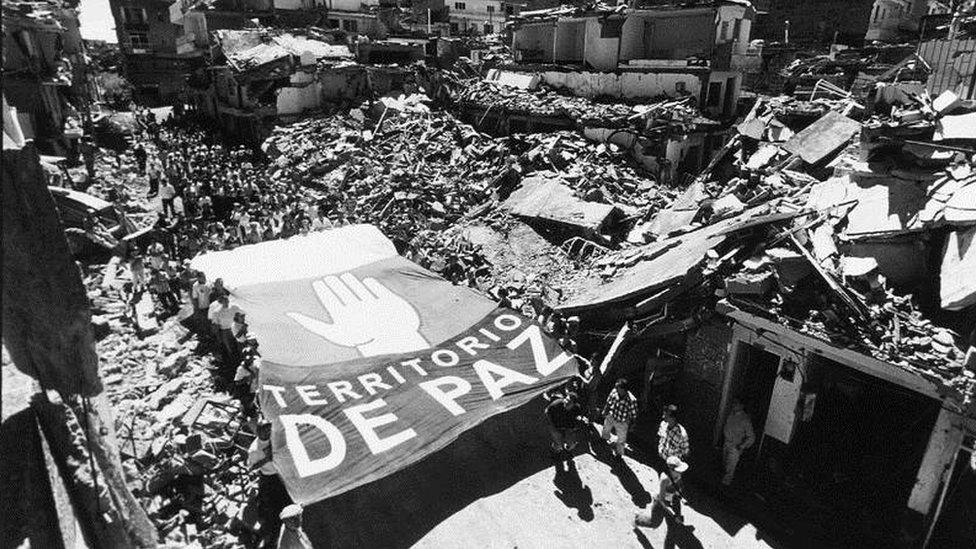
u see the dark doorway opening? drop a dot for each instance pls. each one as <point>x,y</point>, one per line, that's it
<point>756,370</point>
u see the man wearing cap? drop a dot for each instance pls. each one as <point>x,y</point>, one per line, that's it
<point>619,411</point>
<point>672,437</point>
<point>292,536</point>
<point>669,494</point>
<point>739,436</point>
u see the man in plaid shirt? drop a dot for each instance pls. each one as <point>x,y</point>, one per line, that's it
<point>619,412</point>
<point>672,437</point>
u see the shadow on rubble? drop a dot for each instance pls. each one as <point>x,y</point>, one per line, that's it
<point>400,509</point>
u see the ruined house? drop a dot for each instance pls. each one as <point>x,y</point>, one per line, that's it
<point>45,79</point>
<point>154,65</point>
<point>673,51</point>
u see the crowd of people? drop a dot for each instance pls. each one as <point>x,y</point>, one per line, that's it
<point>214,198</point>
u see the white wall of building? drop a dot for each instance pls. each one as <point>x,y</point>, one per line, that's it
<point>626,84</point>
<point>474,14</point>
<point>600,53</point>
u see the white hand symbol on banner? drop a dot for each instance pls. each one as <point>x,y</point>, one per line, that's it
<point>366,315</point>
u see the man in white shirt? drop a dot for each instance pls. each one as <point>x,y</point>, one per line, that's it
<point>200,296</point>
<point>167,192</point>
<point>225,327</point>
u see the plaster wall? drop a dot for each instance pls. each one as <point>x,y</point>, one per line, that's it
<point>626,84</point>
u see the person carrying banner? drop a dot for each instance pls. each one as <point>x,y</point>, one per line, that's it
<point>200,295</point>
<point>292,536</point>
<point>563,413</point>
<point>618,413</point>
<point>272,496</point>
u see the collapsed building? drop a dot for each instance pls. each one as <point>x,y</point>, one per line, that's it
<point>45,81</point>
<point>259,77</point>
<point>809,262</point>
<point>673,51</point>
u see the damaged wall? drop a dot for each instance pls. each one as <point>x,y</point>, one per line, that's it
<point>700,386</point>
<point>631,84</point>
<point>533,42</point>
<point>669,35</point>
<point>302,95</point>
<point>570,41</point>
<point>342,84</point>
<point>601,52</point>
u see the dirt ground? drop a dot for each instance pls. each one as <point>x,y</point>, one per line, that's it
<point>593,505</point>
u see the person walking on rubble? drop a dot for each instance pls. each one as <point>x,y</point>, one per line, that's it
<point>672,436</point>
<point>140,155</point>
<point>739,436</point>
<point>619,412</point>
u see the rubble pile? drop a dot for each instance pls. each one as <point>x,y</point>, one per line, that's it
<point>544,102</point>
<point>599,172</point>
<point>417,173</point>
<point>917,164</point>
<point>179,433</point>
<point>405,171</point>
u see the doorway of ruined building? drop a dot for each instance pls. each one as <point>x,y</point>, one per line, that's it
<point>753,377</point>
<point>847,468</point>
<point>729,107</point>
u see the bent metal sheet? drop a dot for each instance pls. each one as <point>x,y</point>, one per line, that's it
<point>370,363</point>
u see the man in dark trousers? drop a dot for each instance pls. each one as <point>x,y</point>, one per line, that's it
<point>140,154</point>
<point>564,413</point>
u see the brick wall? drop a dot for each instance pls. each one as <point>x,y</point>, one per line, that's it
<point>700,391</point>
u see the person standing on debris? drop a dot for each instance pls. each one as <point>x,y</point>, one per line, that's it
<point>619,411</point>
<point>154,172</point>
<point>159,283</point>
<point>672,437</point>
<point>225,326</point>
<point>200,294</point>
<point>167,194</point>
<point>140,154</point>
<point>563,413</point>
<point>137,268</point>
<point>739,436</point>
<point>292,536</point>
<point>88,150</point>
